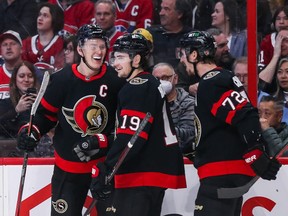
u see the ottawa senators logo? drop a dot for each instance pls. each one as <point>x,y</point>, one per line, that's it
<point>87,117</point>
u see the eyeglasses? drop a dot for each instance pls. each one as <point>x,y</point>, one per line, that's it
<point>166,77</point>
<point>242,77</point>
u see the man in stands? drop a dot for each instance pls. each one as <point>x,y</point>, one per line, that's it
<point>105,16</point>
<point>11,45</point>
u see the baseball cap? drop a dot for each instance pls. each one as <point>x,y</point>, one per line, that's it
<point>11,34</point>
<point>148,36</point>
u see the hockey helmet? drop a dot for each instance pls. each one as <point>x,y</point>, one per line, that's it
<point>91,31</point>
<point>132,44</point>
<point>201,41</point>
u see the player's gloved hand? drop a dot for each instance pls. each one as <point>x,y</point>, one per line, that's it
<point>89,146</point>
<point>100,188</point>
<point>262,165</point>
<point>25,142</point>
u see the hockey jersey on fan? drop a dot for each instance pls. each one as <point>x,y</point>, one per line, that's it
<point>78,107</point>
<point>134,14</point>
<point>44,57</point>
<point>266,50</point>
<point>5,77</point>
<point>222,101</point>
<point>77,13</point>
<point>155,158</point>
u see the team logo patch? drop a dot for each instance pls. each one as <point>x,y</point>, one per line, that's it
<point>60,206</point>
<point>88,116</point>
<point>138,81</point>
<point>211,74</point>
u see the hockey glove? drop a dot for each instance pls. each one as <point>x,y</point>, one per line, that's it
<point>26,142</point>
<point>100,187</point>
<point>89,146</point>
<point>262,165</point>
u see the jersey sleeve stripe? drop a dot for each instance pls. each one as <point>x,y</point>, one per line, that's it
<point>232,113</point>
<point>48,106</point>
<point>135,113</point>
<point>220,102</point>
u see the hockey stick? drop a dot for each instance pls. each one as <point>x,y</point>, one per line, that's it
<point>228,193</point>
<point>122,157</point>
<point>35,105</point>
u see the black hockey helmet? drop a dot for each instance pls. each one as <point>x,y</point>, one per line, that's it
<point>201,41</point>
<point>132,43</point>
<point>91,31</point>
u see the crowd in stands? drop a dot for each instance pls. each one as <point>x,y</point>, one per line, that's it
<point>39,35</point>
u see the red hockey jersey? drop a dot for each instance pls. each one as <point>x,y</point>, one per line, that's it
<point>77,14</point>
<point>51,56</point>
<point>4,82</point>
<point>266,49</point>
<point>134,14</point>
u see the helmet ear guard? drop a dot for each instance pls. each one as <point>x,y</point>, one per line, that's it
<point>200,41</point>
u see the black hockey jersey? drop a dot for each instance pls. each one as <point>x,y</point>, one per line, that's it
<point>155,159</point>
<point>79,107</point>
<point>223,114</point>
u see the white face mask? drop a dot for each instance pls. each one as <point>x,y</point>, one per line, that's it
<point>166,86</point>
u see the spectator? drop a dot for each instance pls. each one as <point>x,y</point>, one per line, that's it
<point>132,14</point>
<point>267,76</point>
<point>70,50</point>
<point>227,18</point>
<point>105,16</point>
<point>19,16</point>
<point>45,50</point>
<point>181,106</point>
<point>279,22</point>
<point>223,57</point>
<point>15,111</point>
<point>76,13</point>
<point>143,176</point>
<point>11,45</point>
<point>282,86</point>
<point>229,151</point>
<point>149,39</point>
<point>274,131</point>
<point>174,16</point>
<point>240,70</point>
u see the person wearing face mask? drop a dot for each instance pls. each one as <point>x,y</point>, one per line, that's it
<point>181,106</point>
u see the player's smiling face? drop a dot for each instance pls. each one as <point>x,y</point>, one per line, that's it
<point>94,51</point>
<point>122,64</point>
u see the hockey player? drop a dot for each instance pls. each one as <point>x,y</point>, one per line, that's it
<point>155,162</point>
<point>222,110</point>
<point>81,102</point>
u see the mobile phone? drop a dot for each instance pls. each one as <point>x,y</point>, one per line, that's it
<point>31,90</point>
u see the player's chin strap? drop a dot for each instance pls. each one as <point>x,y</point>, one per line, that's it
<point>132,69</point>
<point>89,66</point>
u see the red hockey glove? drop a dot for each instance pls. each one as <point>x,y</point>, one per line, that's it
<point>89,146</point>
<point>25,142</point>
<point>100,188</point>
<point>262,165</point>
